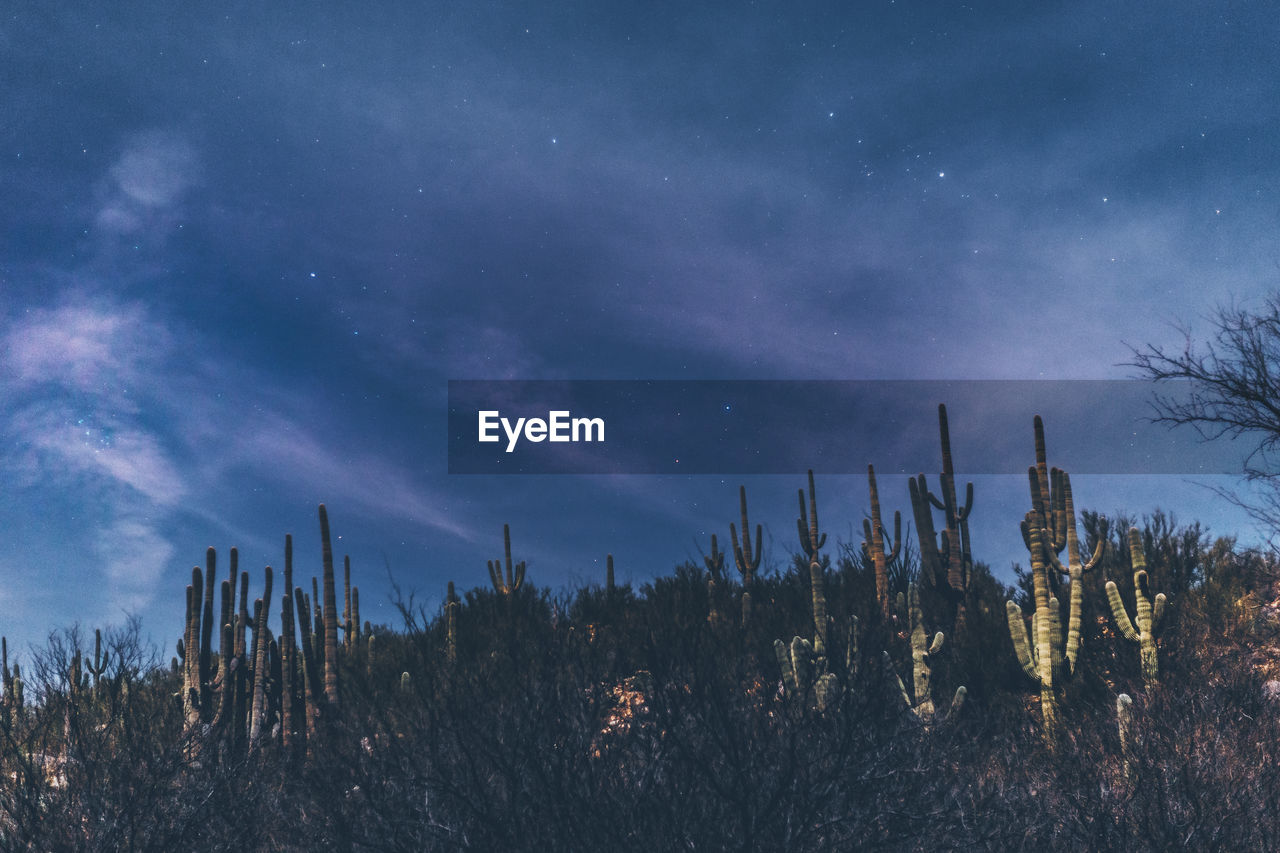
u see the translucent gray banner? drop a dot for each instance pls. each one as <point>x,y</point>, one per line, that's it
<point>834,427</point>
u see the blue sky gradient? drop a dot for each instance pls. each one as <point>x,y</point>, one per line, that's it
<point>242,251</point>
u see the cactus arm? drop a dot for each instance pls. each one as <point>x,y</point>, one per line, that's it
<point>1051,559</point>
<point>1098,550</point>
<point>715,562</point>
<point>1157,614</point>
<point>1121,615</point>
<point>784,664</point>
<point>1142,601</point>
<point>930,557</point>
<point>807,525</point>
<point>1021,643</point>
<point>902,688</point>
<point>802,653</point>
<point>962,515</point>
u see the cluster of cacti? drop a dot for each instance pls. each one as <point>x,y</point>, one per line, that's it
<point>945,558</point>
<point>258,686</point>
<point>920,700</point>
<point>1149,613</point>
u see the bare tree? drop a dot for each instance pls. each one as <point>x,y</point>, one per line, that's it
<point>1232,390</point>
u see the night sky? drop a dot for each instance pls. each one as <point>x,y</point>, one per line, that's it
<point>243,250</point>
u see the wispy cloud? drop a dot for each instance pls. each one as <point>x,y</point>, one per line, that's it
<point>84,344</point>
<point>285,450</point>
<point>133,555</point>
<point>80,376</point>
<point>146,184</point>
<point>75,439</point>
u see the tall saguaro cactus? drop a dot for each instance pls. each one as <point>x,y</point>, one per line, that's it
<point>288,650</point>
<point>1046,656</point>
<point>715,574</point>
<point>330,613</point>
<point>804,663</point>
<point>1149,613</point>
<point>874,544</point>
<point>947,556</point>
<point>812,541</point>
<point>746,559</point>
<point>261,641</point>
<point>514,577</point>
<point>451,608</point>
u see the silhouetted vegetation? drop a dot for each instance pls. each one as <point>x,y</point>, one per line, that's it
<point>659,718</point>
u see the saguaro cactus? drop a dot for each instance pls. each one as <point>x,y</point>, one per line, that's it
<point>330,613</point>
<point>920,701</point>
<point>804,663</point>
<point>1052,512</point>
<point>874,544</point>
<point>812,541</point>
<point>1149,613</point>
<point>514,577</point>
<point>451,608</point>
<point>12,698</point>
<point>261,640</point>
<point>746,559</point>
<point>715,574</point>
<point>194,689</point>
<point>1046,657</point>
<point>98,666</point>
<point>312,690</point>
<point>946,557</point>
<point>1124,725</point>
